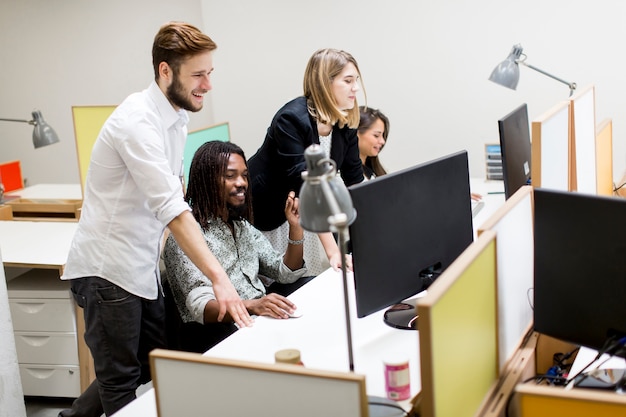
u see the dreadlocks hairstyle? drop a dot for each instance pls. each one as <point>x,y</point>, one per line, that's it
<point>205,191</point>
<point>177,41</point>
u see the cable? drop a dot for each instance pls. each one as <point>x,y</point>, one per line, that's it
<point>612,346</point>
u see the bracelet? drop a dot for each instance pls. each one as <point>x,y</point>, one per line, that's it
<point>295,242</point>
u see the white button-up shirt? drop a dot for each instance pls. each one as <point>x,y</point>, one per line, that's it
<point>132,191</point>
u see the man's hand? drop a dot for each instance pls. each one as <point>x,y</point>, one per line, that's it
<point>272,305</point>
<point>229,301</point>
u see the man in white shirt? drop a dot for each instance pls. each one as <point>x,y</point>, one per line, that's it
<point>132,193</point>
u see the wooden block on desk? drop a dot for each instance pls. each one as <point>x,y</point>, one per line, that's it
<point>49,209</point>
<point>6,212</point>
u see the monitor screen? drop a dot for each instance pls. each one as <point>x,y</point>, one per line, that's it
<point>410,225</point>
<point>515,149</point>
<point>580,267</point>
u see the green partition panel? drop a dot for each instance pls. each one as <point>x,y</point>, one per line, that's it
<point>196,138</point>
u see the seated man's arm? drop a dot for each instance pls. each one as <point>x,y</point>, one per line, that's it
<point>271,305</point>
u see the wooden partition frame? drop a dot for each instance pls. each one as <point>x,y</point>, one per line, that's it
<point>604,157</point>
<point>190,384</point>
<point>550,148</point>
<point>583,141</point>
<point>458,334</point>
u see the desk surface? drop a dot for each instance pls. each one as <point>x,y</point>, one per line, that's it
<point>320,334</point>
<point>41,244</point>
<point>48,192</point>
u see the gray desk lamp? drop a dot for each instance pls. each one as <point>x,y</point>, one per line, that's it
<point>326,206</point>
<point>507,72</point>
<point>43,134</point>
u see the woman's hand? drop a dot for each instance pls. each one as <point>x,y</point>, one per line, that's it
<point>292,210</point>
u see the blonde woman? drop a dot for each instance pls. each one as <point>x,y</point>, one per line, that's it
<point>326,114</point>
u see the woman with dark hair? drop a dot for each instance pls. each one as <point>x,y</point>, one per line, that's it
<point>372,132</point>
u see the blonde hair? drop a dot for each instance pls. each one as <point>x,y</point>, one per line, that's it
<point>322,68</point>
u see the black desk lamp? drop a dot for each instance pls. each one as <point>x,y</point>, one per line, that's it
<point>507,72</point>
<point>43,134</point>
<point>326,206</point>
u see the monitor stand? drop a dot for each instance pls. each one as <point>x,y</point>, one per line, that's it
<point>383,407</point>
<point>402,315</point>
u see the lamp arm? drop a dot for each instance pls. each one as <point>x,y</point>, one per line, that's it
<point>30,122</point>
<point>571,85</point>
<point>339,221</point>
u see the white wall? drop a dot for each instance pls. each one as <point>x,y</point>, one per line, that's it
<point>61,53</point>
<point>425,64</point>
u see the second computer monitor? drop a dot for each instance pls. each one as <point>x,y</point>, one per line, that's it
<point>515,148</point>
<point>410,226</point>
<point>580,268</point>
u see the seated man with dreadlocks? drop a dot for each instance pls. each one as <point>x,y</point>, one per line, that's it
<point>220,202</point>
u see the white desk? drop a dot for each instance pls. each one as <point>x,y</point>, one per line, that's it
<point>48,192</point>
<point>493,197</point>
<point>36,244</point>
<point>47,202</point>
<point>39,245</point>
<point>320,333</point>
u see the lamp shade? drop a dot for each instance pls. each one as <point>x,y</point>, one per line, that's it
<point>507,72</point>
<point>43,134</point>
<point>325,202</point>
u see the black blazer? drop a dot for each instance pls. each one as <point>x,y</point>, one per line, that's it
<point>276,168</point>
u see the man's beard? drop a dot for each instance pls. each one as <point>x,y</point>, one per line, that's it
<point>237,212</point>
<point>176,94</point>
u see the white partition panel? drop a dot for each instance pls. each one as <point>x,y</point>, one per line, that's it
<point>513,224</point>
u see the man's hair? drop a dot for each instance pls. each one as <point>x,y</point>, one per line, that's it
<point>177,41</point>
<point>321,70</point>
<point>368,118</point>
<point>205,191</point>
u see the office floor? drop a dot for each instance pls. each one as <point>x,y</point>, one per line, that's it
<point>50,407</point>
<point>45,406</point>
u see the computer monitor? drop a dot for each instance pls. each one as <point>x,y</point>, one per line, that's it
<point>410,225</point>
<point>515,148</point>
<point>580,267</point>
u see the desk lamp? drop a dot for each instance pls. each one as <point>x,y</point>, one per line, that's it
<point>507,72</point>
<point>43,134</point>
<point>326,206</point>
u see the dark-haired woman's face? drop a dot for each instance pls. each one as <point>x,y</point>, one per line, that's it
<point>371,141</point>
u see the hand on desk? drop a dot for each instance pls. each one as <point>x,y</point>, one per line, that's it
<point>476,196</point>
<point>272,305</point>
